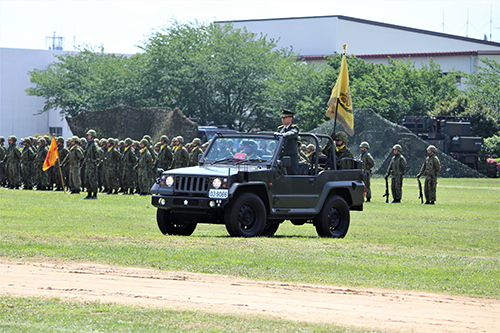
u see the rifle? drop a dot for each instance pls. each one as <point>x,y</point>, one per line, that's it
<point>386,195</point>
<point>421,196</point>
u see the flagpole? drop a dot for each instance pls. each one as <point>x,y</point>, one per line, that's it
<point>60,171</point>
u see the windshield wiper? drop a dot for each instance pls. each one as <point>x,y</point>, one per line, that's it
<point>251,160</point>
<point>227,159</point>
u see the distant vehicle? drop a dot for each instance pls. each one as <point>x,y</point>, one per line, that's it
<point>250,192</point>
<point>449,134</point>
<point>205,133</point>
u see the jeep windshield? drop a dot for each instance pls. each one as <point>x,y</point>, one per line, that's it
<point>241,149</point>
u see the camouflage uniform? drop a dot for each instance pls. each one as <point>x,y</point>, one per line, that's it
<point>92,157</point>
<point>144,166</point>
<point>181,155</point>
<point>397,169</point>
<point>368,164</point>
<point>27,160</point>
<point>73,160</point>
<point>129,160</point>
<point>430,169</point>
<point>165,156</point>
<point>193,158</point>
<point>12,161</point>
<point>58,169</point>
<point>42,177</point>
<point>111,166</point>
<point>3,152</point>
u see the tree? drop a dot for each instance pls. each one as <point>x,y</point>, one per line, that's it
<point>214,72</point>
<point>397,89</point>
<point>87,80</point>
<point>483,86</point>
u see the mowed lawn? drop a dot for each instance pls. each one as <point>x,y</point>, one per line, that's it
<point>452,247</point>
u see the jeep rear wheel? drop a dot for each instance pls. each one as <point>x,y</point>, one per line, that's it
<point>246,216</point>
<point>170,225</point>
<point>333,219</point>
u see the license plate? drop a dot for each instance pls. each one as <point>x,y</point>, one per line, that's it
<point>218,194</point>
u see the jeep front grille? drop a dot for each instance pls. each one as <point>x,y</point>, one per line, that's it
<point>191,185</point>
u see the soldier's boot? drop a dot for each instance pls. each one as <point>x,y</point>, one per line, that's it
<point>131,191</point>
<point>115,191</point>
<point>94,195</point>
<point>89,195</point>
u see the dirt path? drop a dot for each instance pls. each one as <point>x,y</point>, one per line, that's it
<point>375,308</point>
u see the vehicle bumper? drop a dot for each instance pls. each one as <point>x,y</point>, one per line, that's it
<point>181,203</point>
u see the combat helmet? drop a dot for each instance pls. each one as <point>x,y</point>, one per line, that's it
<point>164,138</point>
<point>74,138</point>
<point>364,144</point>
<point>180,139</point>
<point>197,140</point>
<point>41,140</point>
<point>397,147</point>
<point>144,142</point>
<point>91,132</point>
<point>60,139</point>
<point>341,136</point>
<point>432,148</point>
<point>128,141</point>
<point>13,138</point>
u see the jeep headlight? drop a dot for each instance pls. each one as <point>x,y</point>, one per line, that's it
<point>216,183</point>
<point>169,181</point>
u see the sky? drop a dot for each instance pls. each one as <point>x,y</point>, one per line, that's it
<point>121,26</point>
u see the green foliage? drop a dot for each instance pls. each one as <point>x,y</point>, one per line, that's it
<point>87,80</point>
<point>397,89</point>
<point>482,119</point>
<point>482,86</point>
<point>491,146</point>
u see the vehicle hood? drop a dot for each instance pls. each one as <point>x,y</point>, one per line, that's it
<point>214,171</point>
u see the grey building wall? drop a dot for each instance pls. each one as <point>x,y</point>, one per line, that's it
<point>17,109</point>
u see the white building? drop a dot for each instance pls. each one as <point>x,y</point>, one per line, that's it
<point>312,37</point>
<point>18,111</point>
<point>315,37</point>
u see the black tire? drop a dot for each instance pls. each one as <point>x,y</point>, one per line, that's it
<point>169,225</point>
<point>246,216</point>
<point>333,219</point>
<point>271,228</point>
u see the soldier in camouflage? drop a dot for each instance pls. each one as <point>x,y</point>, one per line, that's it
<point>195,152</point>
<point>72,161</point>
<point>3,152</point>
<point>368,165</point>
<point>397,170</point>
<point>181,155</point>
<point>111,166</point>
<point>165,155</point>
<point>129,160</point>
<point>144,166</point>
<point>92,156</point>
<point>430,169</point>
<point>59,170</point>
<point>42,177</point>
<point>27,160</point>
<point>12,162</point>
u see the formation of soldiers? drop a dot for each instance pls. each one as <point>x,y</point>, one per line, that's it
<point>112,166</point>
<point>107,166</point>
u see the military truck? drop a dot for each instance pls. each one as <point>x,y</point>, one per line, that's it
<point>451,135</point>
<point>247,189</point>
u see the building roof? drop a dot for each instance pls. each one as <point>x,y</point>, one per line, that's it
<point>380,24</point>
<point>410,55</point>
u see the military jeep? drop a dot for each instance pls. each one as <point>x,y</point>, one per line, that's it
<point>241,181</point>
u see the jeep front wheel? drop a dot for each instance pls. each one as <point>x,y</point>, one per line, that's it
<point>170,225</point>
<point>333,219</point>
<point>246,216</point>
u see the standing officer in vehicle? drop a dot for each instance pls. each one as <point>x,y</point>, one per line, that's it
<point>430,169</point>
<point>368,164</point>
<point>397,169</point>
<point>290,133</point>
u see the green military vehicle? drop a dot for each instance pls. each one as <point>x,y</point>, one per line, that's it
<point>240,181</point>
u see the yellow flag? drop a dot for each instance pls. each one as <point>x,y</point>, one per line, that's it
<point>52,155</point>
<point>340,100</point>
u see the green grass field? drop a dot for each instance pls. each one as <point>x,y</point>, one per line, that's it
<point>452,247</point>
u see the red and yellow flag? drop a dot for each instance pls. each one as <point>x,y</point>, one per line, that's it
<point>340,101</point>
<point>52,155</point>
